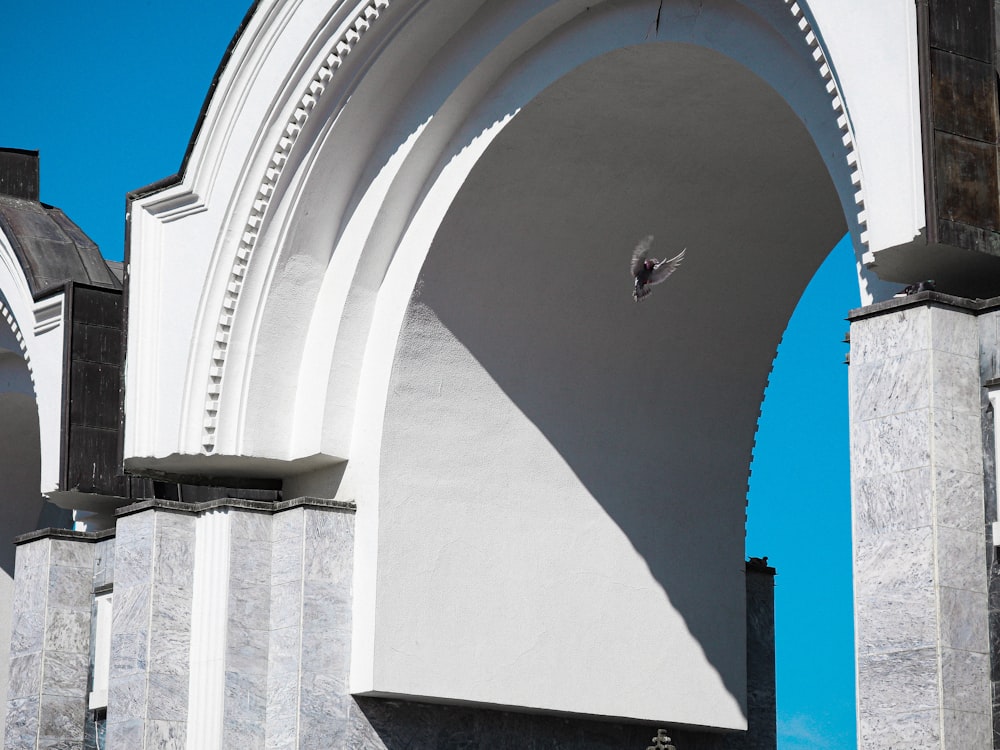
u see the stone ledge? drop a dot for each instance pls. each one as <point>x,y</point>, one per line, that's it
<point>260,506</point>
<point>938,299</point>
<point>76,536</point>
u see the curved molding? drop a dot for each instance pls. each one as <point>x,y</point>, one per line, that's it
<point>844,123</point>
<point>300,111</point>
<point>14,284</point>
<point>15,329</point>
<point>310,93</point>
<point>317,85</point>
<point>37,329</point>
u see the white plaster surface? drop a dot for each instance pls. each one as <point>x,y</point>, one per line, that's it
<point>362,149</point>
<point>535,459</point>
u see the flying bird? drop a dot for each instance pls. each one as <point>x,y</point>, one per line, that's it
<point>649,271</point>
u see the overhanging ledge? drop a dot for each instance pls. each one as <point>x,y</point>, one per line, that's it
<point>244,472</point>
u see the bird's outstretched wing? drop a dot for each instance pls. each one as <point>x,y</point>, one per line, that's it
<point>640,253</point>
<point>665,267</point>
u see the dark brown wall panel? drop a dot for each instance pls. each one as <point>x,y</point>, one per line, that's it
<point>963,27</point>
<point>964,96</point>
<point>966,172</point>
<point>93,372</point>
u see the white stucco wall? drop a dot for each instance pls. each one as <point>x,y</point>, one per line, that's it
<point>563,471</point>
<point>493,429</point>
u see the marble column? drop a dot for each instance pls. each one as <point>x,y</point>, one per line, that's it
<point>50,644</point>
<point>150,629</point>
<point>247,629</point>
<point>921,607</point>
<point>308,703</point>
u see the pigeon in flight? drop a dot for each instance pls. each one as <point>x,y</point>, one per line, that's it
<point>649,271</point>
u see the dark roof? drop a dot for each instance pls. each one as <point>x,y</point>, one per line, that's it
<point>52,249</point>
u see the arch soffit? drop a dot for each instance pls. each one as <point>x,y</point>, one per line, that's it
<point>32,331</point>
<point>257,317</point>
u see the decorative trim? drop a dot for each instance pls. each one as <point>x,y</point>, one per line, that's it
<point>209,613</point>
<point>314,90</point>
<point>308,99</point>
<point>843,118</point>
<point>8,316</point>
<point>920,299</point>
<point>48,313</point>
<point>847,138</point>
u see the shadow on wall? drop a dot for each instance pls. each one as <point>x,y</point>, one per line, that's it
<point>652,406</point>
<point>21,506</point>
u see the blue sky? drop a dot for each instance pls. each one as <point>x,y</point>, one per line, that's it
<point>110,94</point>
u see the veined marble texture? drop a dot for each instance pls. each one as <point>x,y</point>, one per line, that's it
<point>882,337</point>
<point>989,349</point>
<point>151,630</point>
<point>50,647</point>
<point>917,466</point>
<point>268,596</point>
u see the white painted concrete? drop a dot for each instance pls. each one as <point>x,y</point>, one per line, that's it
<point>34,332</point>
<point>568,466</point>
<point>209,615</point>
<point>315,122</point>
<point>401,242</point>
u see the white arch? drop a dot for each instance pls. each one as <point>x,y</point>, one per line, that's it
<point>293,91</point>
<point>31,345</point>
<point>272,313</point>
<point>38,330</point>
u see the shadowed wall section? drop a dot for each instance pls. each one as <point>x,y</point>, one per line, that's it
<point>533,400</point>
<point>20,501</point>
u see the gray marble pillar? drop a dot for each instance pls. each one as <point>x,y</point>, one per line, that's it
<point>308,703</point>
<point>918,512</point>
<point>50,644</point>
<point>247,631</point>
<point>151,629</point>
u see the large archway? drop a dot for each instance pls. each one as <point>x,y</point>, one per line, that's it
<point>429,218</point>
<point>532,399</point>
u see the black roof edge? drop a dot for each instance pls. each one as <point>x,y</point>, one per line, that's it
<point>22,151</point>
<point>153,187</point>
<point>227,55</point>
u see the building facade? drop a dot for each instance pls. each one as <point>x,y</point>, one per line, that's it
<point>367,447</point>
